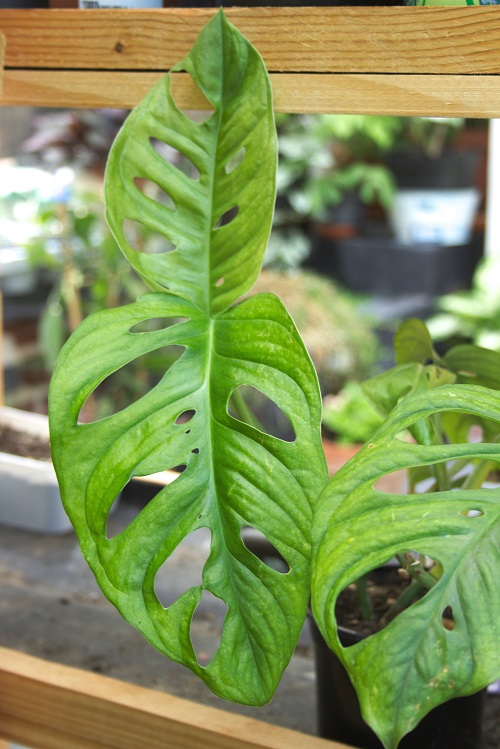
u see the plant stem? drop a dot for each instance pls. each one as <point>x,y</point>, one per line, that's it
<point>479,474</point>
<point>409,594</point>
<point>364,599</point>
<point>416,570</point>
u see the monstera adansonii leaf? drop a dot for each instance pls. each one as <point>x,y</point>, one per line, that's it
<point>417,661</point>
<point>214,223</point>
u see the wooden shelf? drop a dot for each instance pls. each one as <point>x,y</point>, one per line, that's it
<point>48,706</point>
<point>427,61</point>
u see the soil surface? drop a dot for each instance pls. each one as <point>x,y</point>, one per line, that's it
<point>25,445</point>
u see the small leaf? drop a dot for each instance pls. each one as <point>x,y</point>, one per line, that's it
<point>413,343</point>
<point>415,663</point>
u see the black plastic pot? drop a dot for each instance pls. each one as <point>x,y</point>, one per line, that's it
<point>451,170</point>
<point>380,265</point>
<point>457,724</point>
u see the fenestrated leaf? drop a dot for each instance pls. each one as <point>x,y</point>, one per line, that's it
<point>236,475</point>
<point>415,663</point>
<point>213,265</point>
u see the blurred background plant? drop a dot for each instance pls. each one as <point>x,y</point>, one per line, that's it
<point>348,416</point>
<point>333,167</point>
<point>323,161</point>
<point>471,315</point>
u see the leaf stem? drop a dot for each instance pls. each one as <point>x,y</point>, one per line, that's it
<point>364,599</point>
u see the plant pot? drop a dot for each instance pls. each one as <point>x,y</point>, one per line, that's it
<point>444,217</point>
<point>382,266</point>
<point>29,492</point>
<point>457,724</point>
<point>452,169</point>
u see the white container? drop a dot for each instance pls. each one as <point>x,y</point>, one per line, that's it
<point>16,275</point>
<point>443,217</point>
<point>29,493</point>
<point>93,4</point>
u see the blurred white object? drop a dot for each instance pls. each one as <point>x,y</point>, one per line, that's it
<point>443,217</point>
<point>93,4</point>
<point>29,492</point>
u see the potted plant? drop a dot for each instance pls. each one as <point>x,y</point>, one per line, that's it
<point>237,476</point>
<point>330,169</point>
<point>436,200</point>
<point>418,369</point>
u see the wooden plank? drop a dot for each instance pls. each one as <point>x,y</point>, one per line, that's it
<point>48,706</point>
<point>2,57</point>
<point>461,40</point>
<point>449,96</point>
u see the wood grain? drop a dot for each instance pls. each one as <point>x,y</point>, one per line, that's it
<point>436,95</point>
<point>461,40</point>
<point>2,56</point>
<point>48,706</point>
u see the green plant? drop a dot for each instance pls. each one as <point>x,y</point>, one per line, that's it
<point>349,416</point>
<point>340,341</point>
<point>474,314</point>
<point>215,227</point>
<point>326,157</point>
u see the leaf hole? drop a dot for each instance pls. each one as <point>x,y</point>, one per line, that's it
<point>153,324</point>
<point>259,545</point>
<point>251,406</point>
<point>196,450</point>
<point>134,497</point>
<point>183,86</point>
<point>154,192</point>
<point>206,627</point>
<point>447,619</point>
<point>227,217</point>
<point>185,417</point>
<point>395,482</point>
<point>129,383</point>
<point>175,157</point>
<point>183,569</point>
<point>472,513</point>
<point>235,161</point>
<point>369,604</point>
<point>142,239</point>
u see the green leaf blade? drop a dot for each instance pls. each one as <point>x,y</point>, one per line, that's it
<point>231,74</point>
<point>415,662</point>
<point>235,476</point>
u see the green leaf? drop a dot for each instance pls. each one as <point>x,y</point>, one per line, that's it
<point>415,663</point>
<point>235,474</point>
<point>413,343</point>
<point>474,365</point>
<point>385,390</point>
<point>213,266</point>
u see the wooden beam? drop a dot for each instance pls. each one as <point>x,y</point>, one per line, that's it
<point>2,58</point>
<point>48,706</point>
<point>460,40</point>
<point>436,95</point>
